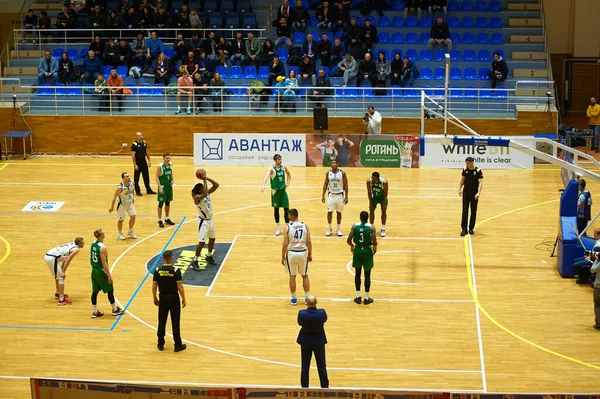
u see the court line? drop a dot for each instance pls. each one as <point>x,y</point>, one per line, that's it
<point>222,266</point>
<point>8,249</point>
<point>53,328</point>
<point>3,166</point>
<point>335,237</point>
<point>286,298</point>
<point>75,214</point>
<point>469,257</point>
<point>496,322</point>
<point>148,273</point>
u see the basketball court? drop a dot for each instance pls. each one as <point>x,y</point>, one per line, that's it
<point>483,313</point>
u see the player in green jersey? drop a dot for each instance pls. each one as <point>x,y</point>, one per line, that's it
<point>363,245</point>
<point>165,181</point>
<point>377,190</point>
<point>280,180</point>
<point>101,277</point>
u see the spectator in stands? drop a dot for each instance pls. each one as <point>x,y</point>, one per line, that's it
<point>65,69</point>
<point>97,46</point>
<point>113,21</point>
<point>91,68</point>
<point>180,47</point>
<point>593,114</point>
<point>203,66</point>
<point>218,92</point>
<point>201,93</point>
<point>77,6</point>
<point>65,20</point>
<point>130,20</point>
<point>146,5</point>
<point>411,6</point>
<point>299,17</point>
<point>337,52</point>
<point>409,73</point>
<point>368,35</point>
<point>383,69</point>
<point>396,70</point>
<point>101,89</point>
<point>499,70</point>
<point>162,19</point>
<point>210,46</point>
<point>97,19</point>
<point>353,35</point>
<point>439,5</point>
<point>324,15</point>
<point>267,53</point>
<point>350,68</point>
<point>440,34</point>
<point>47,68</point>
<point>146,19</point>
<point>288,102</point>
<point>310,48</point>
<point>154,47</point>
<point>29,24</point>
<point>139,49</point>
<point>340,16</point>
<point>367,69</point>
<point>276,69</point>
<point>223,47</point>
<point>115,84</point>
<point>307,71</point>
<point>183,17</point>
<point>123,54</point>
<point>284,11</point>
<point>44,27</point>
<point>283,35</point>
<point>195,21</point>
<point>191,64</point>
<point>238,49</point>
<point>253,49</point>
<point>195,44</point>
<point>110,56</point>
<point>162,72</point>
<point>584,207</point>
<point>103,4</point>
<point>223,61</point>
<point>322,89</point>
<point>324,47</point>
<point>184,88</point>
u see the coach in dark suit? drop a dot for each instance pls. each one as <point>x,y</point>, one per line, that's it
<point>312,339</point>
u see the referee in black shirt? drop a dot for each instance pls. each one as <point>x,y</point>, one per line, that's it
<point>140,154</point>
<point>167,280</point>
<point>471,184</point>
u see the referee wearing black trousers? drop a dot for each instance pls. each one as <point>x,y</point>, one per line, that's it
<point>167,280</point>
<point>141,163</point>
<point>471,184</point>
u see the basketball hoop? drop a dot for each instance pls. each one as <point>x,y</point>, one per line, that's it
<point>405,144</point>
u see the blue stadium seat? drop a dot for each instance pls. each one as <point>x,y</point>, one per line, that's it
<point>398,6</point>
<point>470,74</point>
<point>45,90</point>
<point>282,53</point>
<point>83,53</point>
<point>106,71</point>
<point>243,6</point>
<point>297,38</point>
<point>500,92</point>
<point>467,23</point>
<point>439,91</point>
<point>483,38</point>
<point>481,23</point>
<point>250,72</point>
<point>455,37</point>
<point>232,21</point>
<point>61,90</point>
<point>384,38</point>
<point>397,22</point>
<point>383,22</point>
<point>496,23</point>
<point>215,21</point>
<point>223,71</point>
<point>455,55</point>
<point>358,20</point>
<point>439,74</point>
<point>468,38</point>
<point>158,89</point>
<point>456,93</point>
<point>427,90</point>
<point>263,72</point>
<point>425,36</point>
<point>453,22</point>
<point>338,35</point>
<point>393,53</point>
<point>412,38</point>
<point>453,5</point>
<point>480,6</point>
<point>57,52</point>
<point>227,6</point>
<point>169,52</point>
<point>425,55</point>
<point>455,74</point>
<point>122,71</point>
<point>211,6</point>
<point>249,21</point>
<point>497,38</point>
<point>133,87</point>
<point>145,89</point>
<point>334,70</point>
<point>426,73</point>
<point>439,55</point>
<point>501,52</point>
<point>484,56</point>
<point>485,93</point>
<point>425,21</point>
<point>470,92</point>
<point>466,5</point>
<point>483,74</point>
<point>469,56</point>
<point>397,38</point>
<point>495,6</point>
<point>411,54</point>
<point>312,22</point>
<point>73,54</point>
<point>411,21</point>
<point>235,72</point>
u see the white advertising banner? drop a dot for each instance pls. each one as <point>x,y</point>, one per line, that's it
<point>450,155</point>
<point>216,149</point>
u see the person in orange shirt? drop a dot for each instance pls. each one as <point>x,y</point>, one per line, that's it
<point>185,86</point>
<point>115,84</point>
<point>593,114</point>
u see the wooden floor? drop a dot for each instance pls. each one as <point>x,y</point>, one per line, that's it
<point>532,331</point>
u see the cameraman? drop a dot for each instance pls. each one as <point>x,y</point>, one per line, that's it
<point>372,121</point>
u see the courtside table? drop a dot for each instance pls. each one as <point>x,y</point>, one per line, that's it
<point>18,134</point>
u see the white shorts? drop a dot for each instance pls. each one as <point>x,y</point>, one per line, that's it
<point>53,266</point>
<point>296,262</point>
<point>206,228</point>
<point>335,202</point>
<point>124,210</point>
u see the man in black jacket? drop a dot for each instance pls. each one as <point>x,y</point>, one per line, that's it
<point>323,83</point>
<point>299,17</point>
<point>353,38</point>
<point>325,50</point>
<point>367,69</point>
<point>123,53</point>
<point>275,69</point>
<point>368,35</point>
<point>499,70</point>
<point>312,339</point>
<point>440,34</point>
<point>340,17</point>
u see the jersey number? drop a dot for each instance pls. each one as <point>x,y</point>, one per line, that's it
<point>298,234</point>
<point>362,238</point>
<point>94,257</point>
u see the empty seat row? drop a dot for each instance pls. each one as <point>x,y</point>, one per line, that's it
<point>466,5</point>
<point>424,22</point>
<point>414,38</point>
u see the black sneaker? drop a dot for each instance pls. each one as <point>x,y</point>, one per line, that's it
<point>160,223</point>
<point>195,265</point>
<point>169,222</point>
<point>597,327</point>
<point>180,348</point>
<point>367,301</point>
<point>471,232</point>
<point>210,259</point>
<point>160,347</point>
<point>138,194</point>
<point>358,300</point>
<point>150,192</point>
<point>463,233</point>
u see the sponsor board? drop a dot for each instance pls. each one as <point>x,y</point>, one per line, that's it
<point>248,149</point>
<point>42,206</point>
<point>451,155</point>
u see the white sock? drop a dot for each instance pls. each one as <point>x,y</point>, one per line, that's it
<point>329,226</point>
<point>94,308</point>
<point>357,294</point>
<point>178,108</point>
<point>383,227</point>
<point>294,295</point>
<point>61,297</point>
<point>339,227</point>
<point>114,306</point>
<point>277,224</point>
<point>195,258</point>
<point>120,231</point>
<point>366,295</point>
<point>306,294</point>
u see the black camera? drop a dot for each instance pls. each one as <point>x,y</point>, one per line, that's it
<point>366,117</point>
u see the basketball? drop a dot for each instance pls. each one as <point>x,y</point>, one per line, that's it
<point>200,174</point>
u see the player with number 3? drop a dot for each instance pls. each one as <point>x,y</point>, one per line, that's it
<point>363,245</point>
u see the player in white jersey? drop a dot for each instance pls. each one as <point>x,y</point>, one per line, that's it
<point>336,183</point>
<point>206,225</point>
<point>58,260</point>
<point>296,252</point>
<point>125,193</point>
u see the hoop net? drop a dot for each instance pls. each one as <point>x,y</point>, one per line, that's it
<point>406,145</point>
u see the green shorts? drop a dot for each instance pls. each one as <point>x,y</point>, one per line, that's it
<point>378,201</point>
<point>100,281</point>
<point>167,195</point>
<point>279,199</point>
<point>362,258</point>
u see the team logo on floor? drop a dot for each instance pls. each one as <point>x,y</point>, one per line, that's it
<point>42,206</point>
<point>182,259</point>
